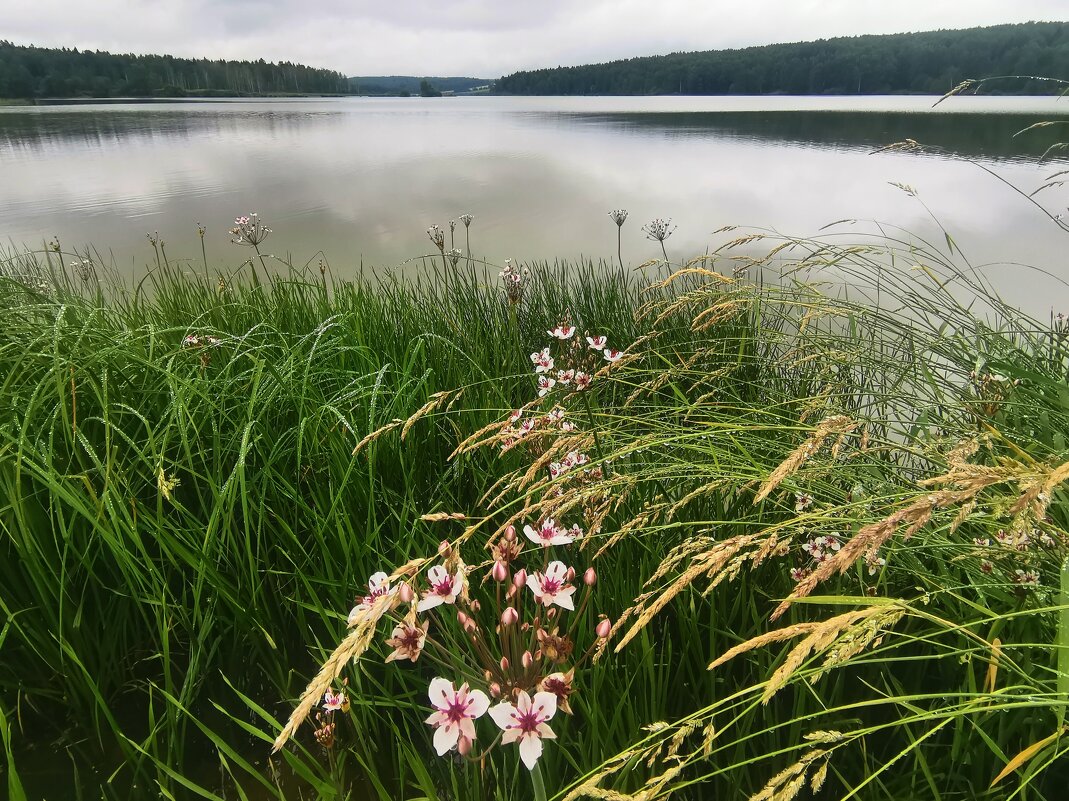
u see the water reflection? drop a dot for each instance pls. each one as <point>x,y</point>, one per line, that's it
<point>363,179</point>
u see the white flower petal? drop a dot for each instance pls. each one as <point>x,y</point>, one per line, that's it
<point>429,602</point>
<point>563,599</point>
<point>504,715</point>
<point>546,704</point>
<point>530,749</point>
<point>445,737</point>
<point>441,692</point>
<point>478,704</point>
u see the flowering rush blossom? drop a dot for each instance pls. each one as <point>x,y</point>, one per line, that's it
<point>582,380</point>
<point>596,343</point>
<point>542,361</point>
<point>549,533</point>
<point>454,712</point>
<point>407,641</point>
<point>545,384</point>
<point>612,355</point>
<point>552,587</point>
<point>332,701</point>
<point>377,586</point>
<point>444,588</point>
<point>562,332</point>
<point>525,722</point>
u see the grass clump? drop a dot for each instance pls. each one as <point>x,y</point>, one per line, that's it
<point>828,522</point>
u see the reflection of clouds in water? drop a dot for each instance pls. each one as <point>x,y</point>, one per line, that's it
<point>366,178</point>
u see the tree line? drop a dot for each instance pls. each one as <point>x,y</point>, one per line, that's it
<point>930,62</point>
<point>35,72</point>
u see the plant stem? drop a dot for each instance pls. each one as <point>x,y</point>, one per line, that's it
<point>536,782</point>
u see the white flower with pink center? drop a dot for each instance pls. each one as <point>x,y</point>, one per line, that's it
<point>332,701</point>
<point>556,469</point>
<point>612,355</point>
<point>562,332</point>
<point>564,377</point>
<point>542,361</point>
<point>454,712</point>
<point>525,722</point>
<point>552,587</point>
<point>548,533</point>
<point>596,343</point>
<point>444,588</point>
<point>516,415</point>
<point>582,380</point>
<point>377,586</point>
<point>545,384</point>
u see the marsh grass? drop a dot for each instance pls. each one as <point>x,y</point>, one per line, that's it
<point>185,526</point>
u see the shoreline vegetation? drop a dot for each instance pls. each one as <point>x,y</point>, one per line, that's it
<point>813,504</point>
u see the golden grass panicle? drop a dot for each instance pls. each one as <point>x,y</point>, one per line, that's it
<point>838,424</point>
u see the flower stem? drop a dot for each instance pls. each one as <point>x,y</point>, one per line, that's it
<point>536,782</point>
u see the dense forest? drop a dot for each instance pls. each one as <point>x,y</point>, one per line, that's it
<point>32,72</point>
<point>396,84</point>
<point>932,62</point>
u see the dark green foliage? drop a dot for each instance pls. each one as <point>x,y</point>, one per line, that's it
<point>932,62</point>
<point>29,72</point>
<point>397,84</point>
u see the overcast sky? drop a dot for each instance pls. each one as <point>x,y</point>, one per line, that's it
<point>482,38</point>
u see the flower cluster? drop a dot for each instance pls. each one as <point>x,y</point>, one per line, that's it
<point>514,280</point>
<point>574,366</point>
<point>618,216</point>
<point>658,230</point>
<point>437,236</point>
<point>1016,552</point>
<point>249,230</point>
<point>515,639</point>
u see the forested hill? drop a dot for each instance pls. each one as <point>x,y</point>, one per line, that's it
<point>30,72</point>
<point>931,62</point>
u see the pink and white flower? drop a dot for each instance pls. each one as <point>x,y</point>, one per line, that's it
<point>564,377</point>
<point>562,332</point>
<point>332,701</point>
<point>444,588</point>
<point>596,343</point>
<point>454,712</point>
<point>582,380</point>
<point>545,384</point>
<point>552,587</point>
<point>548,533</point>
<point>542,361</point>
<point>378,585</point>
<point>612,355</point>
<point>525,723</point>
<point>407,641</point>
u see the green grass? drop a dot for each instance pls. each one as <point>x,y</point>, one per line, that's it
<point>164,640</point>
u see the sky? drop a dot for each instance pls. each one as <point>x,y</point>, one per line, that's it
<point>479,38</point>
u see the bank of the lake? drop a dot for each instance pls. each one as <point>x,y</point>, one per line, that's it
<point>202,468</point>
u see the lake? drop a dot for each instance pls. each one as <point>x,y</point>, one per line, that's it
<point>361,179</point>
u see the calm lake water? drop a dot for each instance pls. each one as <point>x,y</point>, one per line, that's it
<point>361,179</point>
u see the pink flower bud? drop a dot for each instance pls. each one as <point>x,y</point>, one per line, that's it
<point>509,616</point>
<point>603,628</point>
<point>444,548</point>
<point>504,664</point>
<point>462,619</point>
<point>520,579</point>
<point>470,626</point>
<point>551,613</point>
<point>406,593</point>
<point>501,571</point>
<point>463,746</point>
<point>510,533</point>
<point>495,690</point>
<point>527,659</point>
<point>570,575</point>
<point>590,577</point>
